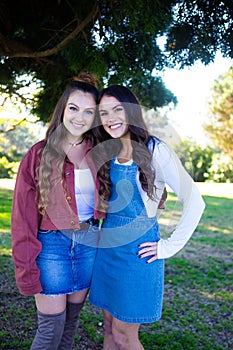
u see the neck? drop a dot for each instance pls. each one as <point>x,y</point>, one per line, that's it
<point>126,142</point>
<point>76,142</point>
<point>125,153</point>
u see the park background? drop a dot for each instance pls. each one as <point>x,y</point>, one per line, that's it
<point>197,311</point>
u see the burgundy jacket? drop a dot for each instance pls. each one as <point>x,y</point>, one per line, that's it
<point>61,213</point>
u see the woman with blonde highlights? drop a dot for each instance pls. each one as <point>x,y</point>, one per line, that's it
<point>55,217</point>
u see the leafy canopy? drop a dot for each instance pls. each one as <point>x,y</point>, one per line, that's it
<point>53,40</point>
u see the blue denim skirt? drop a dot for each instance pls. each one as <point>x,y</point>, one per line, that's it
<point>66,261</point>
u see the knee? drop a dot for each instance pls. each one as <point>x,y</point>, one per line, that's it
<point>125,335</point>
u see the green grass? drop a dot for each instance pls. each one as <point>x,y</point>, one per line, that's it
<point>198,298</point>
<point>5,209</point>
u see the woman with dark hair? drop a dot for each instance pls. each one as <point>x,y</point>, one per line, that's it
<point>55,216</point>
<point>128,275</point>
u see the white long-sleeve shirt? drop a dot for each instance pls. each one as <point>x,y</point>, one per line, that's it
<point>170,171</point>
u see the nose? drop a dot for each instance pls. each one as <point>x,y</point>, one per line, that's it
<point>111,118</point>
<point>79,116</point>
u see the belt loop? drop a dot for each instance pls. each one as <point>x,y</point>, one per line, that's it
<point>100,224</point>
<point>84,225</point>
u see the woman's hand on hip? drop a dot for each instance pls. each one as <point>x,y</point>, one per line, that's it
<point>148,249</point>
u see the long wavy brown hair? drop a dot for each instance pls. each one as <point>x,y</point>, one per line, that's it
<point>139,135</point>
<point>52,154</point>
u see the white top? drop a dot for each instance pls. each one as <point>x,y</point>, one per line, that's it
<point>84,193</point>
<point>170,171</point>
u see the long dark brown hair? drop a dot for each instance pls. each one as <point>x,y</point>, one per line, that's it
<point>139,136</point>
<point>52,154</point>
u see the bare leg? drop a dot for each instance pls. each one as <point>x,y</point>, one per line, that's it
<point>125,335</point>
<point>78,297</point>
<point>109,343</point>
<point>50,305</point>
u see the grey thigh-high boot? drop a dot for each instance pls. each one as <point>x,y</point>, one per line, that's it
<point>49,331</point>
<point>72,313</point>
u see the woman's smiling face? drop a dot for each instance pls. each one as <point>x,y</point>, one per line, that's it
<point>79,113</point>
<point>113,116</point>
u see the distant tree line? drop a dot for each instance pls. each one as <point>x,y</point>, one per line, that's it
<point>202,163</point>
<point>220,124</point>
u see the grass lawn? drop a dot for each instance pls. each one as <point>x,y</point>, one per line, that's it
<point>198,298</point>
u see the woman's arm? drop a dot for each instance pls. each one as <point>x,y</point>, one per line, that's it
<point>170,171</point>
<point>24,227</point>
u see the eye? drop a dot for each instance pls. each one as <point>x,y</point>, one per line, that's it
<point>90,112</point>
<point>119,109</point>
<point>72,108</point>
<point>103,114</point>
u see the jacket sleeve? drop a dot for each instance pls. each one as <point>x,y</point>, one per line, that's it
<point>24,227</point>
<point>172,172</point>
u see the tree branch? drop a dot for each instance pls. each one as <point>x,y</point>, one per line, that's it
<point>13,127</point>
<point>57,48</point>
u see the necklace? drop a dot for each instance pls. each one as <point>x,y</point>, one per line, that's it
<point>76,143</point>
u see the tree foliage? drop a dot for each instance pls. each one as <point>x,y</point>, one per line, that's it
<point>199,29</point>
<point>221,169</point>
<point>196,159</point>
<point>52,40</point>
<point>14,145</point>
<point>220,126</point>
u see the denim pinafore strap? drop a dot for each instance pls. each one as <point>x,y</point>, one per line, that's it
<point>126,209</point>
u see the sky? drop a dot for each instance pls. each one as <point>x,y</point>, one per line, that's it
<point>192,87</point>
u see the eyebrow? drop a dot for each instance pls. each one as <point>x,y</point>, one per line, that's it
<point>74,104</point>
<point>118,105</point>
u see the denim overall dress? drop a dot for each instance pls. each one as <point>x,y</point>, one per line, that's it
<point>123,283</point>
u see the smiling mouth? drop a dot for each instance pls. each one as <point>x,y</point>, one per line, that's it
<point>115,126</point>
<point>77,125</point>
